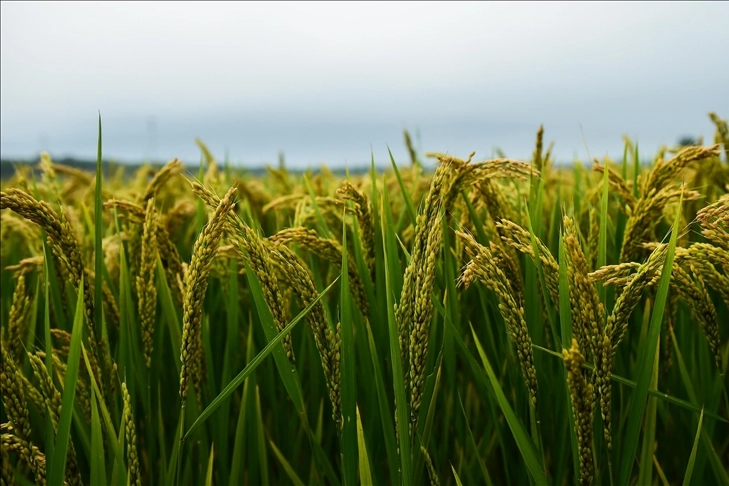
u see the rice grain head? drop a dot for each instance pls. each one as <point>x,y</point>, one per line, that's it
<point>583,404</point>
<point>196,283</point>
<point>482,267</point>
<point>253,251</point>
<point>617,323</point>
<point>52,398</point>
<point>146,288</point>
<point>326,340</point>
<point>131,438</point>
<point>11,386</point>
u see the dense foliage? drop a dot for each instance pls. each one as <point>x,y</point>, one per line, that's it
<point>495,322</point>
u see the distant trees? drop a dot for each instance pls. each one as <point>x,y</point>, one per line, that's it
<point>687,140</point>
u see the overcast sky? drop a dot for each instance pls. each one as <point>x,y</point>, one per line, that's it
<point>328,82</point>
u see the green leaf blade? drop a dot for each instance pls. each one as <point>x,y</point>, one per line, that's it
<point>63,436</point>
<point>646,359</point>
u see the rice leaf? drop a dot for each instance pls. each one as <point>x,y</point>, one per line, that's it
<point>472,441</point>
<point>57,469</point>
<point>170,314</point>
<point>401,404</point>
<point>455,475</point>
<point>238,458</point>
<point>565,317</point>
<point>255,362</point>
<point>349,383</point>
<point>565,306</point>
<point>602,243</point>
<point>209,473</point>
<point>388,428</point>
<point>646,360</point>
<point>365,475</point>
<point>694,450</point>
<point>323,227</point>
<point>295,479</point>
<point>260,440</point>
<point>98,232</point>
<point>489,379</point>
<point>98,464</point>
<point>412,213</point>
<point>542,281</point>
<point>112,440</point>
<point>636,170</point>
<point>47,313</point>
<point>720,471</point>
<point>646,461</point>
<point>654,393</point>
<point>526,446</point>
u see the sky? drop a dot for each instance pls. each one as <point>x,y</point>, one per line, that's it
<point>337,83</point>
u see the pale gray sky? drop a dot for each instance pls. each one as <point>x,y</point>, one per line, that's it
<point>326,81</point>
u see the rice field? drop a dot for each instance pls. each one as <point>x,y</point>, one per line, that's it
<point>447,321</point>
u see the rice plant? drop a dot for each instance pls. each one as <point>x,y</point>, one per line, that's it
<point>485,322</point>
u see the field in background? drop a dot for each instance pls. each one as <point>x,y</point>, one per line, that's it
<point>490,322</point>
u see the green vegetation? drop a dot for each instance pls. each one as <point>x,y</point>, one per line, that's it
<point>495,322</point>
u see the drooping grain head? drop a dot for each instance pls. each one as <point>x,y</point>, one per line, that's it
<point>52,399</point>
<point>415,308</point>
<point>587,310</point>
<point>363,211</point>
<point>252,250</point>
<point>482,267</point>
<point>689,285</point>
<point>172,168</point>
<point>721,137</point>
<point>329,250</point>
<point>131,439</point>
<point>65,248</point>
<point>145,284</point>
<point>11,385</point>
<point>648,213</point>
<point>196,282</point>
<point>520,239</point>
<point>582,397</point>
<point>18,319</point>
<point>300,278</point>
<point>617,324</point>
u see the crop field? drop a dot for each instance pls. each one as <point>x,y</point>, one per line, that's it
<point>451,321</point>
